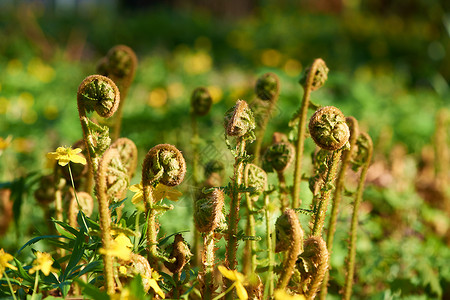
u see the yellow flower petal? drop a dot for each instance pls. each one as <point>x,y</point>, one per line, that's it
<point>4,262</point>
<point>139,193</point>
<point>123,240</point>
<point>165,192</point>
<point>156,288</point>
<point>65,155</point>
<point>78,159</point>
<point>43,263</point>
<point>282,295</point>
<point>227,273</point>
<point>136,187</point>
<point>123,270</point>
<point>63,161</point>
<point>121,248</point>
<point>241,291</point>
<point>61,150</point>
<point>137,198</point>
<point>76,151</point>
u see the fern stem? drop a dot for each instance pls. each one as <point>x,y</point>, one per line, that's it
<point>233,217</point>
<point>354,222</point>
<point>322,204</point>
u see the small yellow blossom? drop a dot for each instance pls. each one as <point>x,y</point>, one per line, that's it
<point>153,281</point>
<point>238,279</point>
<point>121,247</point>
<point>4,143</point>
<point>4,262</point>
<point>160,192</point>
<point>138,191</point>
<point>157,98</point>
<point>282,295</point>
<point>198,63</point>
<point>43,262</point>
<point>123,270</point>
<point>271,57</point>
<point>166,192</point>
<point>65,155</point>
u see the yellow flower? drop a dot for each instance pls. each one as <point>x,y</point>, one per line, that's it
<point>139,193</point>
<point>160,192</point>
<point>4,143</point>
<point>153,281</point>
<point>123,270</point>
<point>282,295</point>
<point>43,262</point>
<point>238,279</point>
<point>166,192</point>
<point>65,155</point>
<point>121,247</point>
<point>4,262</point>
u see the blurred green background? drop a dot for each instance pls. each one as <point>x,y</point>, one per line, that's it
<point>389,67</point>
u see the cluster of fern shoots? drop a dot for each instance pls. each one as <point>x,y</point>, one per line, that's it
<point>276,261</point>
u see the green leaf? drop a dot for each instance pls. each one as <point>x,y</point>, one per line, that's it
<point>186,294</point>
<point>115,205</point>
<point>63,231</point>
<point>64,287</point>
<point>37,296</point>
<point>137,289</point>
<point>50,279</point>
<point>37,239</point>
<point>17,192</point>
<point>59,244</point>
<point>91,223</point>
<point>91,267</point>
<point>164,240</point>
<point>77,254</point>
<point>22,273</point>
<point>91,291</point>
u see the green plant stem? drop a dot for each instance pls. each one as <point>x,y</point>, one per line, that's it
<point>118,114</point>
<point>233,217</point>
<point>325,193</point>
<point>10,286</point>
<point>58,208</point>
<point>36,280</point>
<point>250,245</point>
<point>441,150</point>
<point>227,292</point>
<point>354,228</point>
<point>91,154</point>
<point>195,159</point>
<point>249,262</point>
<point>270,237</point>
<point>208,265</point>
<point>262,129</point>
<point>335,207</point>
<point>105,228</point>
<point>195,154</point>
<point>283,191</point>
<point>151,227</point>
<point>137,233</point>
<point>76,197</point>
<point>301,135</point>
